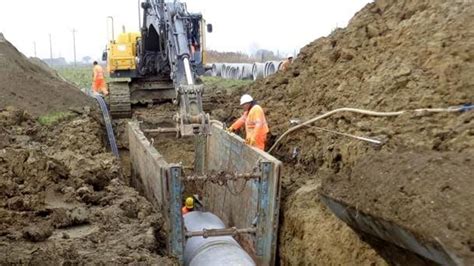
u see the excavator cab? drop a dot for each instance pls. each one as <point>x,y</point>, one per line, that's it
<point>121,55</point>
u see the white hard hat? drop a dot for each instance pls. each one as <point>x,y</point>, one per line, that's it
<point>245,99</point>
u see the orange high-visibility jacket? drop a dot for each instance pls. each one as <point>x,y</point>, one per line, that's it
<point>256,127</point>
<point>98,83</point>
<point>98,72</point>
<point>285,65</point>
<point>185,210</point>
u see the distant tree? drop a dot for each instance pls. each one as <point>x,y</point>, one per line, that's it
<point>86,59</point>
<point>263,55</point>
<point>55,62</point>
<point>253,48</point>
<point>227,57</point>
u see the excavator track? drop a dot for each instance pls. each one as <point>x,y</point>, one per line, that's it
<point>119,99</point>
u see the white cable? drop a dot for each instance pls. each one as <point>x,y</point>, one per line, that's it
<point>348,135</point>
<point>365,112</point>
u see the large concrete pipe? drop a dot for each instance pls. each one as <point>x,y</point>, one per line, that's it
<point>258,70</point>
<point>236,72</point>
<point>216,69</point>
<point>268,71</point>
<point>277,65</point>
<point>220,250</point>
<point>228,71</point>
<point>224,71</point>
<point>231,71</point>
<point>246,72</point>
<point>271,67</point>
<point>223,66</point>
<point>241,71</point>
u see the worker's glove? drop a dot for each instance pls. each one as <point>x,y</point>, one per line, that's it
<point>229,129</point>
<point>250,141</point>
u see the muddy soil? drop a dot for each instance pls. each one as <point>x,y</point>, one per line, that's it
<point>174,150</point>
<point>311,233</point>
<point>31,87</point>
<point>414,190</point>
<point>63,198</point>
<point>393,55</point>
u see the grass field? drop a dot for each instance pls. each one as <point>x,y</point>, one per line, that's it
<point>80,76</point>
<point>227,84</point>
<point>53,118</point>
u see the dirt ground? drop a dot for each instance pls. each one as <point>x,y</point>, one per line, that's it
<point>31,87</point>
<point>427,192</point>
<point>393,55</point>
<point>174,150</point>
<point>64,198</point>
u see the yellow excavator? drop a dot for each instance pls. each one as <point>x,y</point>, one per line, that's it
<point>161,63</point>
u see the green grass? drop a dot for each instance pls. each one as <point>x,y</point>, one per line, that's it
<point>53,118</point>
<point>217,82</point>
<point>81,76</point>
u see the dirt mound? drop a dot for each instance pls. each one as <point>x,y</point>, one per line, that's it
<point>426,192</point>
<point>63,198</point>
<point>393,55</point>
<point>37,61</point>
<point>30,87</point>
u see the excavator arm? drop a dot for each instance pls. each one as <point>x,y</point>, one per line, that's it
<point>171,45</point>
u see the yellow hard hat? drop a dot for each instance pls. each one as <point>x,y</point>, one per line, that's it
<point>189,202</point>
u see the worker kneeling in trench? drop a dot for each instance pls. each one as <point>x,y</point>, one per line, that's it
<point>256,128</point>
<point>188,205</point>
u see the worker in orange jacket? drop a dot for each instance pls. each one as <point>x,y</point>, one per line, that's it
<point>188,205</point>
<point>256,128</point>
<point>286,64</point>
<point>98,80</point>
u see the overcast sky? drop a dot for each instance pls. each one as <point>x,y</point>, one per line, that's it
<point>242,25</point>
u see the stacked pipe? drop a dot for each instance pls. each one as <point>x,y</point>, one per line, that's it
<point>271,67</point>
<point>258,70</point>
<point>245,71</point>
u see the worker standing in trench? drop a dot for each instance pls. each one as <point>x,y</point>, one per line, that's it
<point>256,128</point>
<point>98,80</point>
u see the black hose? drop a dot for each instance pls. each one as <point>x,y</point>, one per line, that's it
<point>108,124</point>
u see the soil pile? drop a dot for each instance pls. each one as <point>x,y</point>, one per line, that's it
<point>30,87</point>
<point>37,61</point>
<point>393,55</point>
<point>63,198</point>
<point>431,194</point>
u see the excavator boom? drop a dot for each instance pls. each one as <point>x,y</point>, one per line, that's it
<point>161,63</point>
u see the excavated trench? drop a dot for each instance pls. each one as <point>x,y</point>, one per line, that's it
<point>234,182</point>
<point>392,56</point>
<point>300,213</point>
